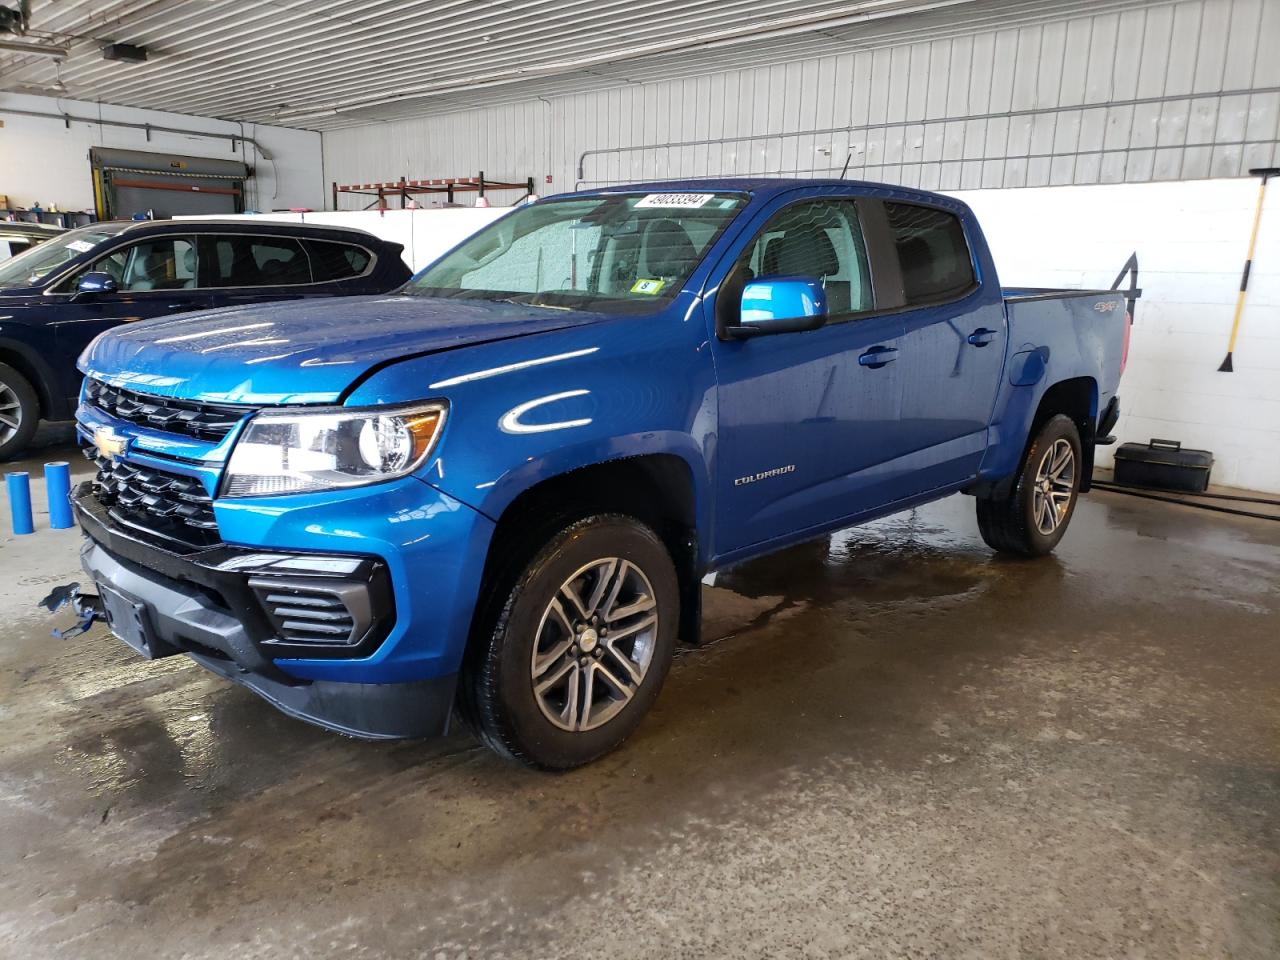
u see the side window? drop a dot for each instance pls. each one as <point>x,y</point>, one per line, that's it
<point>163,263</point>
<point>257,262</point>
<point>932,251</point>
<point>337,261</point>
<point>820,238</point>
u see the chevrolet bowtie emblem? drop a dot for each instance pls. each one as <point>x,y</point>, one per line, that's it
<point>109,443</point>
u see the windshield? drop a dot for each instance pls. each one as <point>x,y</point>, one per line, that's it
<point>31,266</point>
<point>618,253</point>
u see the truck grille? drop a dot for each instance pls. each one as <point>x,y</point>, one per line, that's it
<point>303,612</point>
<point>206,421</point>
<point>166,505</point>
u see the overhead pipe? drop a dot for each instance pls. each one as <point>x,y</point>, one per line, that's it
<point>148,128</point>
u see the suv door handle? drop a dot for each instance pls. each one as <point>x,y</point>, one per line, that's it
<point>981,337</point>
<point>877,357</point>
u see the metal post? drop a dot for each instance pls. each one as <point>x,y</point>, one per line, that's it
<point>19,486</point>
<point>57,484</point>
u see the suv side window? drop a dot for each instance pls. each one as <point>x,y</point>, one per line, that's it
<point>241,261</point>
<point>161,263</point>
<point>932,251</point>
<point>332,261</point>
<point>817,238</point>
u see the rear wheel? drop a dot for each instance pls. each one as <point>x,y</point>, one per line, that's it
<point>580,648</point>
<point>1031,519</point>
<point>19,411</point>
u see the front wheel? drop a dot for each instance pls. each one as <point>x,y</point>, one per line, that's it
<point>19,411</point>
<point>580,648</point>
<point>1031,519</point>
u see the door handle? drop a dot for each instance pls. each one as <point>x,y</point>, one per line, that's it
<point>981,337</point>
<point>877,357</point>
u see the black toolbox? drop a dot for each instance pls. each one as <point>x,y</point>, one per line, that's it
<point>1164,465</point>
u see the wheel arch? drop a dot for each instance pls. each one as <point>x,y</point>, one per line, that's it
<point>658,489</point>
<point>1076,398</point>
<point>39,374</point>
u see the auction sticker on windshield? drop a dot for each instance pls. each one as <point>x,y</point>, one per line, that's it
<point>80,246</point>
<point>685,200</point>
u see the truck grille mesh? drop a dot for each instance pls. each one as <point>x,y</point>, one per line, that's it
<point>206,421</point>
<point>166,505</point>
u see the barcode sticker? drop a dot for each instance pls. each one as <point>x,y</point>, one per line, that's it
<point>685,200</point>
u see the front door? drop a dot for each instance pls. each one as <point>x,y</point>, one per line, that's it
<point>805,419</point>
<point>155,277</point>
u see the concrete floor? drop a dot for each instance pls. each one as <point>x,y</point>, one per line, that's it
<point>897,746</point>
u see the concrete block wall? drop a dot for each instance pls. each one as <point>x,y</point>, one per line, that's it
<point>1191,238</point>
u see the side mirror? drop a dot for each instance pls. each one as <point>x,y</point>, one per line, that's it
<point>97,283</point>
<point>780,305</point>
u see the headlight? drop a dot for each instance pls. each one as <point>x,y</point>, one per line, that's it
<point>299,452</point>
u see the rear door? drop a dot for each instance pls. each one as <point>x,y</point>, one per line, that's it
<point>243,269</point>
<point>953,348</point>
<point>808,419</point>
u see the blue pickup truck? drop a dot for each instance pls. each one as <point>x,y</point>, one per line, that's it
<point>498,488</point>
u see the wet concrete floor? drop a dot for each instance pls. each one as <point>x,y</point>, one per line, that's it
<point>897,745</point>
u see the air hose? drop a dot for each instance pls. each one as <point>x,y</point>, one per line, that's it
<point>1148,494</point>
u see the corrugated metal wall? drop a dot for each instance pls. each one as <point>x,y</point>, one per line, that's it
<point>1160,92</point>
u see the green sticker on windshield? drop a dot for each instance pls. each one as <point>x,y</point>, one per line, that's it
<point>650,287</point>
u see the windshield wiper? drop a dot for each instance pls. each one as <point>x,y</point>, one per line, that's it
<point>528,303</point>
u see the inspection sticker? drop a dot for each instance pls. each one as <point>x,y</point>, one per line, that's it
<point>687,200</point>
<point>650,287</point>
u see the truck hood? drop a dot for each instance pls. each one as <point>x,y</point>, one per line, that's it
<point>306,351</point>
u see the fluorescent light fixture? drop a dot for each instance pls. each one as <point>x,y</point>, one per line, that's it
<point>39,49</point>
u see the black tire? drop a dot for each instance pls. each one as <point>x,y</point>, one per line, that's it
<point>1012,524</point>
<point>496,690</point>
<point>17,424</point>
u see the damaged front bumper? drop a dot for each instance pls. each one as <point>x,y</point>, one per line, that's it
<point>235,610</point>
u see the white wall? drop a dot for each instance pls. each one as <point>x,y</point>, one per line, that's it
<point>1191,239</point>
<point>44,160</point>
<point>1166,91</point>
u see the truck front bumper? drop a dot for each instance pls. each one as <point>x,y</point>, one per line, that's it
<point>215,606</point>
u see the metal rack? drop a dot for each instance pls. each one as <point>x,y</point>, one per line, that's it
<point>407,189</point>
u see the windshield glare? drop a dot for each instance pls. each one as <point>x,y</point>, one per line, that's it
<point>617,253</point>
<point>31,266</point>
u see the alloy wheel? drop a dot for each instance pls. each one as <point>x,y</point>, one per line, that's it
<point>1054,487</point>
<point>595,643</point>
<point>10,413</point>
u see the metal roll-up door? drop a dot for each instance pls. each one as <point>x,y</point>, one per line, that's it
<point>131,182</point>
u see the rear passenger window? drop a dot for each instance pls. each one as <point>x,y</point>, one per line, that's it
<point>933,252</point>
<point>258,262</point>
<point>337,261</point>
